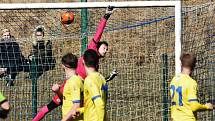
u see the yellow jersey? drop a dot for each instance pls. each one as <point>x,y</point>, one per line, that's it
<point>95,94</point>
<point>184,102</point>
<point>72,92</point>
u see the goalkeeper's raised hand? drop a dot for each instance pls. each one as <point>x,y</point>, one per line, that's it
<point>112,75</point>
<point>109,11</point>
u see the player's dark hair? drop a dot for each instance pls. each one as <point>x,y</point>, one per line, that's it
<point>40,30</point>
<point>91,58</point>
<point>101,43</point>
<point>188,60</point>
<point>70,61</point>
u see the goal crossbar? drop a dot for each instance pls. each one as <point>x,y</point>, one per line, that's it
<point>76,5</point>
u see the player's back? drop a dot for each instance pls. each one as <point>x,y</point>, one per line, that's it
<point>181,95</point>
<point>72,94</point>
<point>94,87</point>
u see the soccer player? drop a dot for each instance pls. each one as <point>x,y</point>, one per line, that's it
<point>100,47</point>
<point>5,107</point>
<point>73,87</point>
<point>183,89</point>
<point>95,89</point>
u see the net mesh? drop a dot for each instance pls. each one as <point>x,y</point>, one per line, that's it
<point>198,37</point>
<point>137,37</point>
<point>22,24</point>
<point>136,51</point>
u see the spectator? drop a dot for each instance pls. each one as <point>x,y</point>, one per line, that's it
<point>42,51</point>
<point>11,58</point>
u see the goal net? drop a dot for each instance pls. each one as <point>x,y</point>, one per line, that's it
<point>141,47</point>
<point>198,37</point>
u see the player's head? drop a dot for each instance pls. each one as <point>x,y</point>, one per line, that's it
<point>39,33</point>
<point>188,61</point>
<point>6,34</point>
<point>91,59</point>
<point>102,48</point>
<point>69,61</point>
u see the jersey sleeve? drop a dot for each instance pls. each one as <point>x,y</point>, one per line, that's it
<point>2,98</point>
<point>93,88</point>
<point>95,95</point>
<point>192,92</point>
<point>192,98</point>
<point>97,36</point>
<point>196,106</point>
<point>76,90</point>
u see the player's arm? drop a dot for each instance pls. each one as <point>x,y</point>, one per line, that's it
<point>72,114</point>
<point>195,106</point>
<point>100,29</point>
<point>76,100</point>
<point>95,95</point>
<point>78,111</point>
<point>56,90</point>
<point>193,100</point>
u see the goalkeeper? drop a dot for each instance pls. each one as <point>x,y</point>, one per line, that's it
<point>100,47</point>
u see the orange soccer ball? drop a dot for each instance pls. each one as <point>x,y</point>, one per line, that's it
<point>67,17</point>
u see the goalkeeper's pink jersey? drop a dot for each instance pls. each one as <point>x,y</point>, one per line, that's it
<point>92,45</point>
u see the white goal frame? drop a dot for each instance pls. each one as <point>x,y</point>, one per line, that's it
<point>75,5</point>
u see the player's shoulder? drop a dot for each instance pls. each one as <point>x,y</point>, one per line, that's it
<point>102,77</point>
<point>175,78</point>
<point>76,79</point>
<point>192,81</point>
<point>188,81</point>
<point>73,82</point>
<point>88,78</point>
<point>92,77</point>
